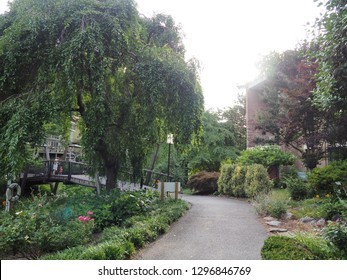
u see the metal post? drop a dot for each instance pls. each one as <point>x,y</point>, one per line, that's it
<point>168,165</point>
<point>162,191</point>
<point>70,172</point>
<point>170,142</point>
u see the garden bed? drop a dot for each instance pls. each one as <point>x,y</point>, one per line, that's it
<point>78,224</point>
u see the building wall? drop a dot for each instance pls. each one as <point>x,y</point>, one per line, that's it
<point>255,105</point>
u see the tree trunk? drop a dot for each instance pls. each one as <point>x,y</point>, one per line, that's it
<point>153,159</point>
<point>274,172</point>
<point>54,187</point>
<point>111,177</point>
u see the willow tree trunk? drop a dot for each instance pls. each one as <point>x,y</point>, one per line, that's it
<point>111,177</point>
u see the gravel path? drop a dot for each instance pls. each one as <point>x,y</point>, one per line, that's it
<point>215,228</point>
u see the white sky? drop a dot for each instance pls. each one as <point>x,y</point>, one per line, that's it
<point>229,37</point>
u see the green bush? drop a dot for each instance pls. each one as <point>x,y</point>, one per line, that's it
<point>237,182</point>
<point>271,155</point>
<point>110,208</point>
<point>232,180</point>
<point>319,246</point>
<point>297,188</point>
<point>204,182</point>
<point>108,250</point>
<point>37,230</point>
<point>330,179</point>
<point>285,248</point>
<point>334,207</point>
<point>266,205</point>
<point>257,180</point>
<point>131,204</point>
<point>243,180</point>
<point>119,242</point>
<point>336,233</point>
<point>224,184</point>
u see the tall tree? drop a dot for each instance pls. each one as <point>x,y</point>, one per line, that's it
<point>125,75</point>
<point>330,94</point>
<point>291,117</point>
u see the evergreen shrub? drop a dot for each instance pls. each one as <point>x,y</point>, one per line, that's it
<point>237,182</point>
<point>336,233</point>
<point>330,179</point>
<point>285,248</point>
<point>297,188</point>
<point>257,180</point>
<point>223,182</point>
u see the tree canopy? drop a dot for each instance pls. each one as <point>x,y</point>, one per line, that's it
<point>330,93</point>
<point>291,115</point>
<point>269,155</point>
<point>125,77</point>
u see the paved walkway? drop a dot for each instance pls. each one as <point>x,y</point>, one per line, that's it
<point>215,228</point>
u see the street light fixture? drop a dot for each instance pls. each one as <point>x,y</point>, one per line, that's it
<point>170,142</point>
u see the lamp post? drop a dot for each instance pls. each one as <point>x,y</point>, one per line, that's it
<point>170,142</point>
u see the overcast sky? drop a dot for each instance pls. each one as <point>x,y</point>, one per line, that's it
<point>228,37</point>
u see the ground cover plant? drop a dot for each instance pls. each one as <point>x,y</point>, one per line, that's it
<point>72,222</point>
<point>322,242</point>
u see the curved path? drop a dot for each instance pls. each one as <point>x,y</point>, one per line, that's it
<point>215,228</point>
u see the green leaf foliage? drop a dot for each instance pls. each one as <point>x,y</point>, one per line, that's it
<point>330,179</point>
<point>125,77</point>
<point>285,248</point>
<point>266,156</point>
<point>257,180</point>
<point>244,180</point>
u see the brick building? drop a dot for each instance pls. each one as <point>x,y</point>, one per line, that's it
<point>255,105</point>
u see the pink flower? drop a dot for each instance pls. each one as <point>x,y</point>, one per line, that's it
<point>86,218</point>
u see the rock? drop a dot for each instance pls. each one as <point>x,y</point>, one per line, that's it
<point>274,230</point>
<point>287,216</point>
<point>269,219</point>
<point>336,217</point>
<point>273,223</point>
<point>307,220</point>
<point>320,222</point>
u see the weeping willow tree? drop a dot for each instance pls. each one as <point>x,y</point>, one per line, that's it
<point>125,76</point>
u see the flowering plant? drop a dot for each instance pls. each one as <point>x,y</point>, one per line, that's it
<point>86,218</point>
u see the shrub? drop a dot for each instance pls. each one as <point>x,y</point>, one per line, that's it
<point>130,204</point>
<point>330,179</point>
<point>34,232</point>
<point>119,243</point>
<point>336,233</point>
<point>266,205</point>
<point>257,180</point>
<point>297,188</point>
<point>333,208</point>
<point>232,180</point>
<point>204,182</point>
<point>237,182</point>
<point>224,184</point>
<point>318,246</point>
<point>285,248</point>
<point>266,155</point>
<point>109,250</point>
